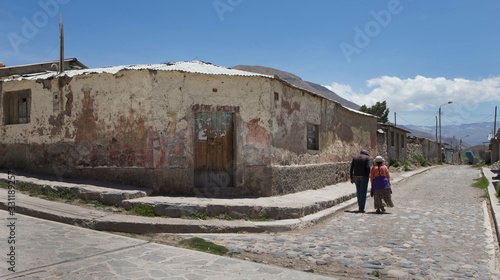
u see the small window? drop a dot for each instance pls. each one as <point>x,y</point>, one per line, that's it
<point>17,107</point>
<point>402,141</point>
<point>312,137</point>
<point>392,138</point>
<point>55,101</point>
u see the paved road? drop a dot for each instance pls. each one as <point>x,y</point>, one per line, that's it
<point>50,250</point>
<point>439,229</point>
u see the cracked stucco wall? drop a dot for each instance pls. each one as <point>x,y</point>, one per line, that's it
<point>137,127</point>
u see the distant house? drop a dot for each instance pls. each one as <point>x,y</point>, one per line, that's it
<point>429,149</point>
<point>182,128</point>
<point>39,68</point>
<point>394,139</point>
<point>495,147</point>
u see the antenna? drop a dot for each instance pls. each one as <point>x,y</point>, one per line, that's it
<point>61,45</point>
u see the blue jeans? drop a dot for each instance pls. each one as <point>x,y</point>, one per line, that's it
<point>361,190</point>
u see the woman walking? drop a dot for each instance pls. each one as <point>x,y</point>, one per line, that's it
<point>381,185</point>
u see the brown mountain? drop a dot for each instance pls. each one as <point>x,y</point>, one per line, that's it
<point>298,82</point>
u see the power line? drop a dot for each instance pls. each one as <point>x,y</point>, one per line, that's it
<point>419,124</point>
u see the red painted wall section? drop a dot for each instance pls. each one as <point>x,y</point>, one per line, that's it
<point>132,143</point>
<point>257,135</point>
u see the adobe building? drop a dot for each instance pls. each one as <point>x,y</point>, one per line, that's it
<point>38,68</point>
<point>427,148</point>
<point>495,147</point>
<point>394,139</point>
<point>183,128</point>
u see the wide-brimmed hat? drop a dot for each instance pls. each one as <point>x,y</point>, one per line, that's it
<point>379,159</point>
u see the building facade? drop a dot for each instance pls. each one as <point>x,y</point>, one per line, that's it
<point>183,128</point>
<point>395,142</point>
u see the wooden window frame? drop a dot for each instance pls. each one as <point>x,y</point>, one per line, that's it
<point>17,107</point>
<point>312,138</point>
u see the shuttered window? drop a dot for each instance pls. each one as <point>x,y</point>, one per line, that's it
<point>17,107</point>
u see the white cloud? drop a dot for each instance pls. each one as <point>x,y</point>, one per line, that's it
<point>403,95</point>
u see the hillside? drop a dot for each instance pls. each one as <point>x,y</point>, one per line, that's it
<point>298,82</point>
<point>478,133</point>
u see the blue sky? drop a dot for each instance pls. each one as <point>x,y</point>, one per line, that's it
<point>416,55</point>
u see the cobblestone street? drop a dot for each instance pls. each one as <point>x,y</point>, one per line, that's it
<point>439,229</point>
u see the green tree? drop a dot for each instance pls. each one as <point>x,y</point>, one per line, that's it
<point>379,110</point>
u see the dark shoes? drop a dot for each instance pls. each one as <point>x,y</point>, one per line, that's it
<point>361,211</point>
<point>378,211</point>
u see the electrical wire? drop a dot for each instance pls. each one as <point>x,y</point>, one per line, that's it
<point>409,123</point>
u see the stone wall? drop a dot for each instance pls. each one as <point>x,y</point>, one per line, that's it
<point>382,146</point>
<point>427,148</point>
<point>289,179</point>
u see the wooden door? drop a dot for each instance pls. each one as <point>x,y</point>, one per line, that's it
<point>213,150</point>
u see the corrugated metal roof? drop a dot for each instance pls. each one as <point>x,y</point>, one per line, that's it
<point>191,67</point>
<point>183,66</point>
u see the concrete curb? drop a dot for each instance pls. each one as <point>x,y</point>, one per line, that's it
<point>93,219</point>
<point>107,195</point>
<point>495,205</point>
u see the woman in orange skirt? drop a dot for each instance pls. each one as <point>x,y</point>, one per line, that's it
<point>381,185</point>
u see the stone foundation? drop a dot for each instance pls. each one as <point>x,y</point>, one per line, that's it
<point>296,178</point>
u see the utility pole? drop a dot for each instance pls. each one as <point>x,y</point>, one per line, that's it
<point>495,124</point>
<point>395,119</point>
<point>436,129</point>
<point>61,45</point>
<point>439,148</point>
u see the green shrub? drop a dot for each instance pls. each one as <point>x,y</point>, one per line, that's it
<point>420,159</point>
<point>143,210</point>
<point>395,163</point>
<point>204,246</point>
<point>201,216</point>
<point>406,165</point>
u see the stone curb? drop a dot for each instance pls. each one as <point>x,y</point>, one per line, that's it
<point>84,217</point>
<point>106,195</point>
<point>495,205</point>
<point>248,210</point>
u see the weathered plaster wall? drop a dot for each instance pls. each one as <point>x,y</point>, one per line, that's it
<point>135,126</point>
<point>342,133</point>
<point>397,147</point>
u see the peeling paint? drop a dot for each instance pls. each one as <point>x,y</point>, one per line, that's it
<point>345,133</point>
<point>256,135</point>
<point>289,106</point>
